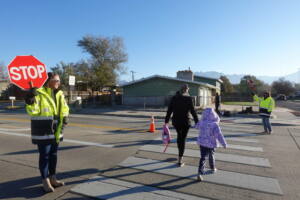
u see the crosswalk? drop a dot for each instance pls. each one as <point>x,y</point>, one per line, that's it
<point>150,160</point>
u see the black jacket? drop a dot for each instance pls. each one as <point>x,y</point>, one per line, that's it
<point>181,106</point>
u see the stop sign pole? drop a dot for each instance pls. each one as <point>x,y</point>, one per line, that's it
<point>27,72</point>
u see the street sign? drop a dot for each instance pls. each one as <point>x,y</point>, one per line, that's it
<point>71,80</point>
<point>24,70</point>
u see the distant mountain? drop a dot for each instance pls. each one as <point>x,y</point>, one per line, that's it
<point>235,78</point>
<point>121,82</point>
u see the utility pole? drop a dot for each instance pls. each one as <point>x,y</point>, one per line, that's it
<point>299,75</point>
<point>132,74</point>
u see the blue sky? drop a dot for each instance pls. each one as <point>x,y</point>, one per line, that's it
<point>258,37</point>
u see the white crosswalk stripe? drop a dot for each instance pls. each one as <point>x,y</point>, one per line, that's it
<point>247,160</point>
<point>230,146</point>
<point>109,188</point>
<point>258,183</point>
<point>104,187</point>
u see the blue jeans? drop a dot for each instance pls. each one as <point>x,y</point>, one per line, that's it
<point>204,151</point>
<point>47,159</point>
<point>266,123</point>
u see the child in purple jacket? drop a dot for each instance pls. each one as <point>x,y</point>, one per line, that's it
<point>209,133</point>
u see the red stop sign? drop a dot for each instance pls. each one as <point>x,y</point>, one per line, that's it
<point>25,69</point>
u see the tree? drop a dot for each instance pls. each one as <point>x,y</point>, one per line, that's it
<point>226,87</point>
<point>297,86</point>
<point>107,59</point>
<point>3,72</point>
<point>259,85</point>
<point>283,86</point>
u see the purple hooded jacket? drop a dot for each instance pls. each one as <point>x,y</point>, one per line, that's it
<point>209,130</point>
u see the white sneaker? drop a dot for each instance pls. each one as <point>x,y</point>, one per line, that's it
<point>214,170</point>
<point>181,164</point>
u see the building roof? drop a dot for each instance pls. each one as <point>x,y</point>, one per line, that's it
<point>169,78</point>
<point>217,79</point>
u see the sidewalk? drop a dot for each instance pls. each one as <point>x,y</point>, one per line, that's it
<point>131,111</point>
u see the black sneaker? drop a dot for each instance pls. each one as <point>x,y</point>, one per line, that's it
<point>199,177</point>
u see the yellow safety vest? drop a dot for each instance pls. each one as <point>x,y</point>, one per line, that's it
<point>266,106</point>
<point>45,110</point>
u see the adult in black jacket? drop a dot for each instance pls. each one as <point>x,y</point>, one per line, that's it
<point>217,103</point>
<point>181,105</point>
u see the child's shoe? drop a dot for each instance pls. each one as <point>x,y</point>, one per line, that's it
<point>180,164</point>
<point>214,170</point>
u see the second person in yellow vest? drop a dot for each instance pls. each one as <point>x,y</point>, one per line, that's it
<point>266,106</point>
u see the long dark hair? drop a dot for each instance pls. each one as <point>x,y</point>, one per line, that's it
<point>50,76</point>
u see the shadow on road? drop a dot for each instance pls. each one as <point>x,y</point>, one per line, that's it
<point>36,151</point>
<point>30,188</point>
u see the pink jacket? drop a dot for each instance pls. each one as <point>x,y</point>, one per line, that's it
<point>209,130</point>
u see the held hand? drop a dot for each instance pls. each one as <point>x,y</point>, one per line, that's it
<point>33,92</point>
<point>65,120</point>
<point>29,97</point>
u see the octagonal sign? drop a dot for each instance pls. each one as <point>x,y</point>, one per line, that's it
<point>27,71</point>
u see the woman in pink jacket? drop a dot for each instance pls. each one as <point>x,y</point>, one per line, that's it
<point>209,133</point>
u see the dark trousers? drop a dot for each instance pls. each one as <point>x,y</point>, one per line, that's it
<point>204,151</point>
<point>47,159</point>
<point>217,105</point>
<point>182,132</point>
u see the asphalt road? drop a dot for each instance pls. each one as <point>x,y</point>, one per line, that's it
<point>110,151</point>
<point>86,151</point>
<point>293,105</point>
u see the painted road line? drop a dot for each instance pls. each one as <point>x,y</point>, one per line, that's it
<point>250,140</point>
<point>15,119</point>
<point>15,129</point>
<point>239,180</point>
<point>236,139</point>
<point>86,125</point>
<point>88,143</point>
<point>65,140</point>
<point>15,134</point>
<point>225,133</point>
<point>232,129</point>
<point>247,160</point>
<point>101,187</point>
<point>229,146</point>
<point>244,147</point>
<point>120,118</point>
